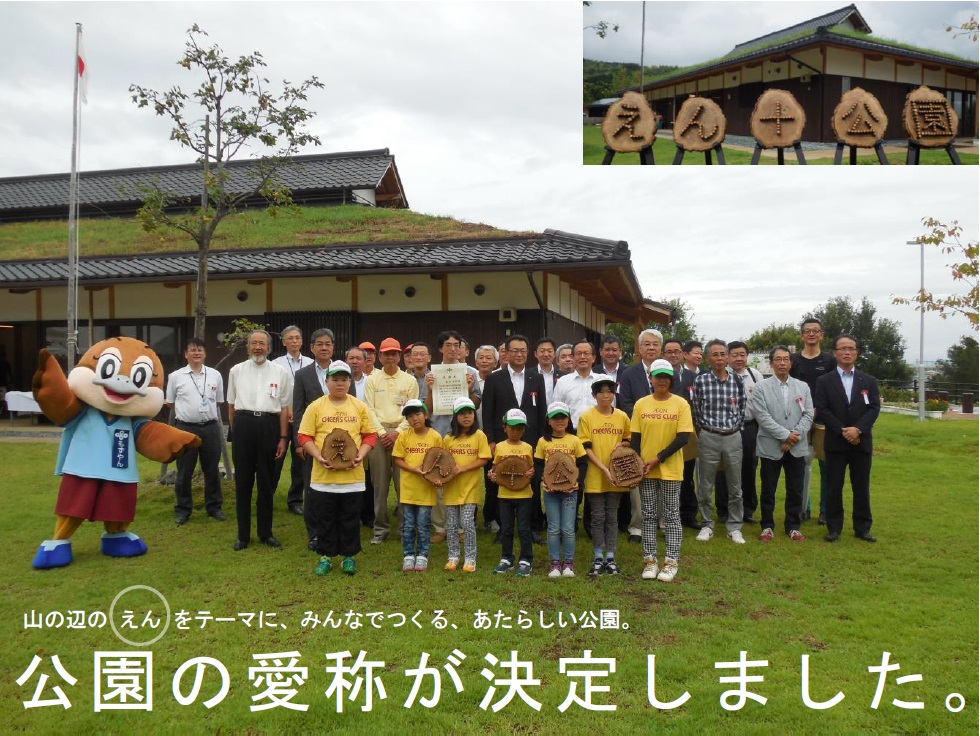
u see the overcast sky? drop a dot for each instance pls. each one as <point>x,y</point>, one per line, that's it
<point>481,105</point>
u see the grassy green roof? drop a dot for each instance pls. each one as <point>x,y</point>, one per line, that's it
<point>834,31</point>
<point>306,226</point>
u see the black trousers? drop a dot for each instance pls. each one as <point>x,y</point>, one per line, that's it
<point>212,437</point>
<point>335,521</point>
<point>689,499</point>
<point>858,463</point>
<point>793,508</point>
<point>491,512</point>
<point>515,510</point>
<point>295,493</point>
<point>253,451</point>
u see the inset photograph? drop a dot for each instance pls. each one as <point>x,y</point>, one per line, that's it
<point>751,83</point>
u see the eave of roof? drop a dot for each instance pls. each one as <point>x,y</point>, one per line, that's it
<point>836,17</point>
<point>554,251</point>
<point>817,38</point>
<point>113,189</point>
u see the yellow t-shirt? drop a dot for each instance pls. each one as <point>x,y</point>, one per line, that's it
<point>411,447</point>
<point>465,487</point>
<point>605,433</point>
<point>506,449</point>
<point>569,444</point>
<point>658,423</point>
<point>320,418</point>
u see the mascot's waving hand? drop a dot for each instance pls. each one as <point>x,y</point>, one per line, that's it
<point>105,406</point>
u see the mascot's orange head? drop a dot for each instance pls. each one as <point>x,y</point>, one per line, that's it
<point>121,376</point>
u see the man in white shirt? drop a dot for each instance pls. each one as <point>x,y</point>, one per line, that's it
<point>575,389</point>
<point>291,362</point>
<point>544,353</point>
<point>259,391</point>
<point>195,392</point>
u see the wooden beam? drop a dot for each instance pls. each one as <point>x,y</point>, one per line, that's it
<point>353,294</point>
<point>444,287</point>
<point>112,301</point>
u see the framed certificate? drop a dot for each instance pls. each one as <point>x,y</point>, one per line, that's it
<point>449,385</point>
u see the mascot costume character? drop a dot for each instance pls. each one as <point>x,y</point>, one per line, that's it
<point>105,406</point>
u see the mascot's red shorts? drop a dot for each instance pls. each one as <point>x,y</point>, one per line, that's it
<point>96,499</point>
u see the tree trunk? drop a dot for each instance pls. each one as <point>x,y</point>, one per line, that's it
<point>201,309</point>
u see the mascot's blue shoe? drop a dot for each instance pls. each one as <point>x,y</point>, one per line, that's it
<point>52,553</point>
<point>123,544</point>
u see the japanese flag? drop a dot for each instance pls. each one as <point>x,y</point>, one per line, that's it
<point>82,70</point>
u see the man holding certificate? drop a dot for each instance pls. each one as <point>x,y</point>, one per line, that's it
<point>446,382</point>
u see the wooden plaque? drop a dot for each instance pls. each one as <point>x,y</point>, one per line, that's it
<point>626,467</point>
<point>339,449</point>
<point>511,471</point>
<point>929,120</point>
<point>630,124</point>
<point>437,465</point>
<point>777,119</point>
<point>700,125</point>
<point>560,472</point>
<point>859,119</point>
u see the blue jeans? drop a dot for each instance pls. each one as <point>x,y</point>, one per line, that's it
<point>560,510</point>
<point>417,520</point>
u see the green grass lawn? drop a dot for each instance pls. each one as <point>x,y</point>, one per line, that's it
<point>913,594</point>
<point>664,149</point>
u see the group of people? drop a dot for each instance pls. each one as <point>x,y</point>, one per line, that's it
<point>701,435</point>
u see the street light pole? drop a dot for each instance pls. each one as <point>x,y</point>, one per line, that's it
<point>922,329</point>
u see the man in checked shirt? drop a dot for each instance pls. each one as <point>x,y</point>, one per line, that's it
<point>719,412</point>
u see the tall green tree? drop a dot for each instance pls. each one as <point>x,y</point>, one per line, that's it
<point>764,340</point>
<point>233,111</point>
<point>962,364</point>
<point>882,345</point>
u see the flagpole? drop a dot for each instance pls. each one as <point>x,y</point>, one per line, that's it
<point>72,327</point>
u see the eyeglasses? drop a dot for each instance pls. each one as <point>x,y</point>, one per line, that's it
<point>812,332</point>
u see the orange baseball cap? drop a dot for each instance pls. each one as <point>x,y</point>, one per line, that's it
<point>390,343</point>
<point>368,346</point>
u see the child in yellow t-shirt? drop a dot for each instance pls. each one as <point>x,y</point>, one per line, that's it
<point>471,451</point>
<point>602,428</point>
<point>514,505</point>
<point>417,495</point>
<point>560,506</point>
<point>334,501</point>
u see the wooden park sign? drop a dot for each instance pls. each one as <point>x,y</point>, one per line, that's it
<point>777,119</point>
<point>629,125</point>
<point>859,119</point>
<point>929,120</point>
<point>700,125</point>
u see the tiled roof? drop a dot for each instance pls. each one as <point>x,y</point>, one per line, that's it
<point>849,14</point>
<point>115,190</point>
<point>553,249</point>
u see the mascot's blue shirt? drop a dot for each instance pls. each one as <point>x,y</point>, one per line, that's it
<point>93,446</point>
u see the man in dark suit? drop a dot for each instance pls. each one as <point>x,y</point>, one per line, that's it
<point>309,384</point>
<point>683,386</point>
<point>500,393</point>
<point>610,352</point>
<point>544,355</point>
<point>847,402</point>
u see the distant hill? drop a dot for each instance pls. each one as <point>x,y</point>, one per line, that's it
<point>606,78</point>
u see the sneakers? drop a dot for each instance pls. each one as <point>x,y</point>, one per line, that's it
<point>421,563</point>
<point>451,564</point>
<point>766,535</point>
<point>377,539</point>
<point>736,536</point>
<point>597,567</point>
<point>523,569</point>
<point>650,570</point>
<point>493,527</point>
<point>568,570</point>
<point>348,567</point>
<point>408,564</point>
<point>611,567</point>
<point>469,566</point>
<point>796,535</point>
<point>668,571</point>
<point>555,571</point>
<point>503,566</point>
<point>322,567</point>
<point>705,534</point>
